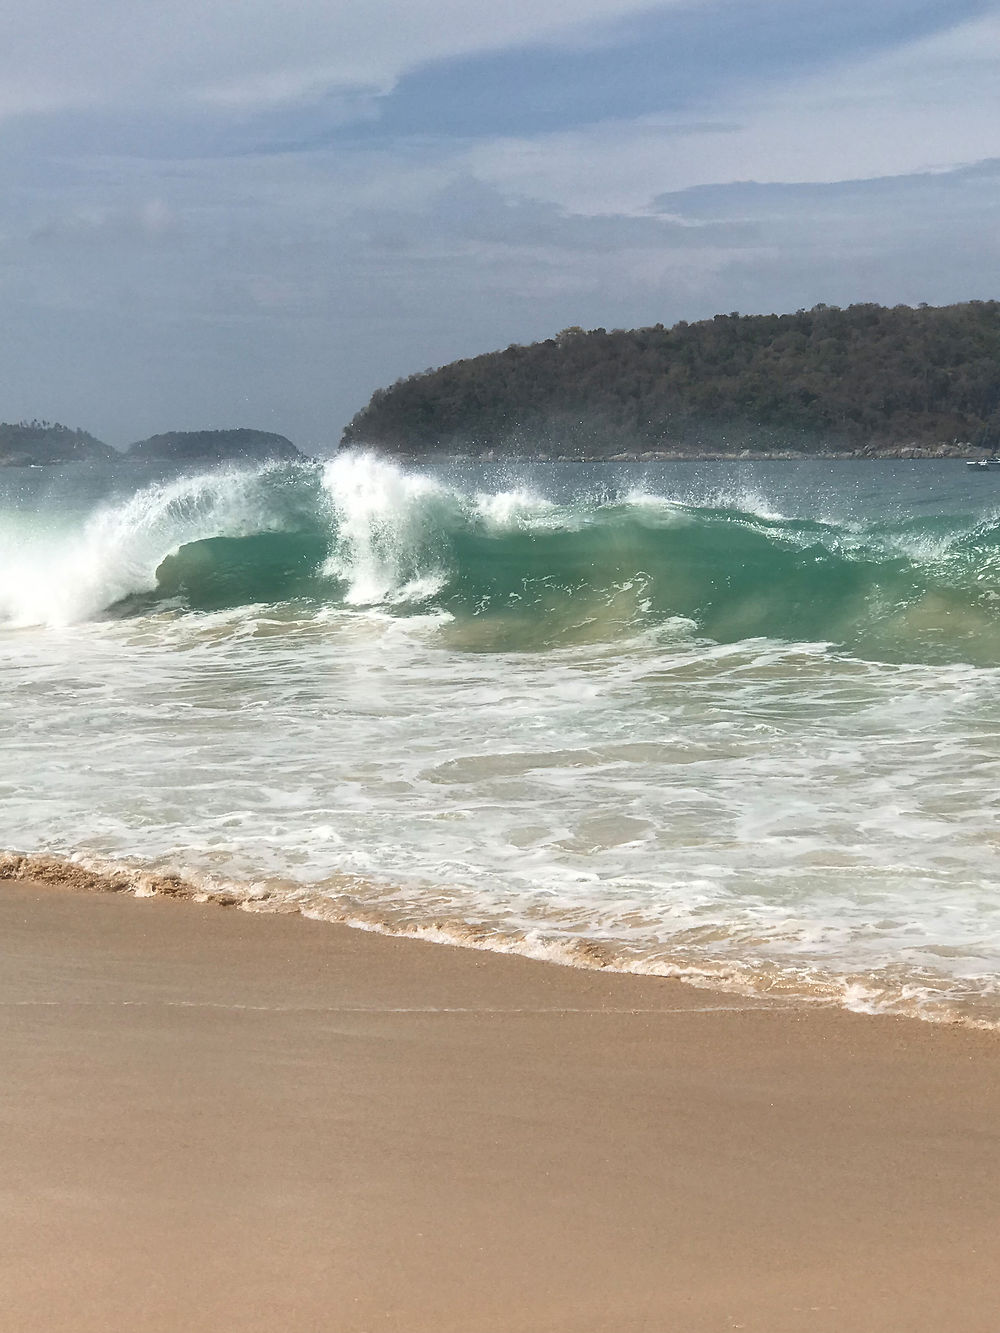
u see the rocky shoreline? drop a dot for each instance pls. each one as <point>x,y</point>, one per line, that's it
<point>869,453</point>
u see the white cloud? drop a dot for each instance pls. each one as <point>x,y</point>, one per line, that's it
<point>930,105</point>
<point>73,53</point>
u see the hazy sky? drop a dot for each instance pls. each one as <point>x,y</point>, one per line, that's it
<point>235,212</point>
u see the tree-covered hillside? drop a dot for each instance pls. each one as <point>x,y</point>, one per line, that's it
<point>862,379</point>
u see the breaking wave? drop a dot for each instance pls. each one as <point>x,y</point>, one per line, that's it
<point>512,568</point>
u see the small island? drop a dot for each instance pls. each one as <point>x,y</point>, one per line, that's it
<point>214,446</point>
<point>862,382</point>
<point>47,444</point>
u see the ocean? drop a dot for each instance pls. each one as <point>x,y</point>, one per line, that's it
<point>737,722</point>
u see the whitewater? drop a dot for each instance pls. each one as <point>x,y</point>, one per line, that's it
<point>736,722</point>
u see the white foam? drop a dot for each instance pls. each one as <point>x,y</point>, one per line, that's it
<point>384,547</point>
<point>518,508</point>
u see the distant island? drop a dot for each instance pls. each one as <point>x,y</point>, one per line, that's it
<point>862,382</point>
<point>214,446</point>
<point>48,444</point>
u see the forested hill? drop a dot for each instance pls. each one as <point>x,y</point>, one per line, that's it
<point>866,379</point>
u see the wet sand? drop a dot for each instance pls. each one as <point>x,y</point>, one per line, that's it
<point>211,1120</point>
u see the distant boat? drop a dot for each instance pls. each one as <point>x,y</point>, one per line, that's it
<point>983,463</point>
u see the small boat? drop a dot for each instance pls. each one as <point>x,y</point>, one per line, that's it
<point>984,464</point>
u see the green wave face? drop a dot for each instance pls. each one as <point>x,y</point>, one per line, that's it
<point>729,576</point>
<point>219,573</point>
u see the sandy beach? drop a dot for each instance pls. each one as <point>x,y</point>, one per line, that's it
<point>215,1120</point>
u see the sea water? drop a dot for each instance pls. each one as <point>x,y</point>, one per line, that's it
<point>733,721</point>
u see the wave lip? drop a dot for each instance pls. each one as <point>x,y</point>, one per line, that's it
<point>65,573</point>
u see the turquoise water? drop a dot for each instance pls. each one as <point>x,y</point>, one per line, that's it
<point>735,721</point>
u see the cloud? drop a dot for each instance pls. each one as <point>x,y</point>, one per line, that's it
<point>926,103</point>
<point>60,54</point>
<point>667,59</point>
<point>922,237</point>
<point>468,213</point>
<point>149,222</point>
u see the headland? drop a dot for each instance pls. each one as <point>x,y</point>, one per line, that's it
<point>865,382</point>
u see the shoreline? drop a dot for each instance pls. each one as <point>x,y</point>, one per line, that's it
<point>908,453</point>
<point>731,979</point>
<point>219,1119</point>
<point>939,453</point>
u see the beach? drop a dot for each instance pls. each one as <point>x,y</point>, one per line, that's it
<point>216,1119</point>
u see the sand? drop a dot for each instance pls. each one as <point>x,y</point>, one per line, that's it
<point>211,1120</point>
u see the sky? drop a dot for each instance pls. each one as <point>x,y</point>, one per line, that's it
<point>218,213</point>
